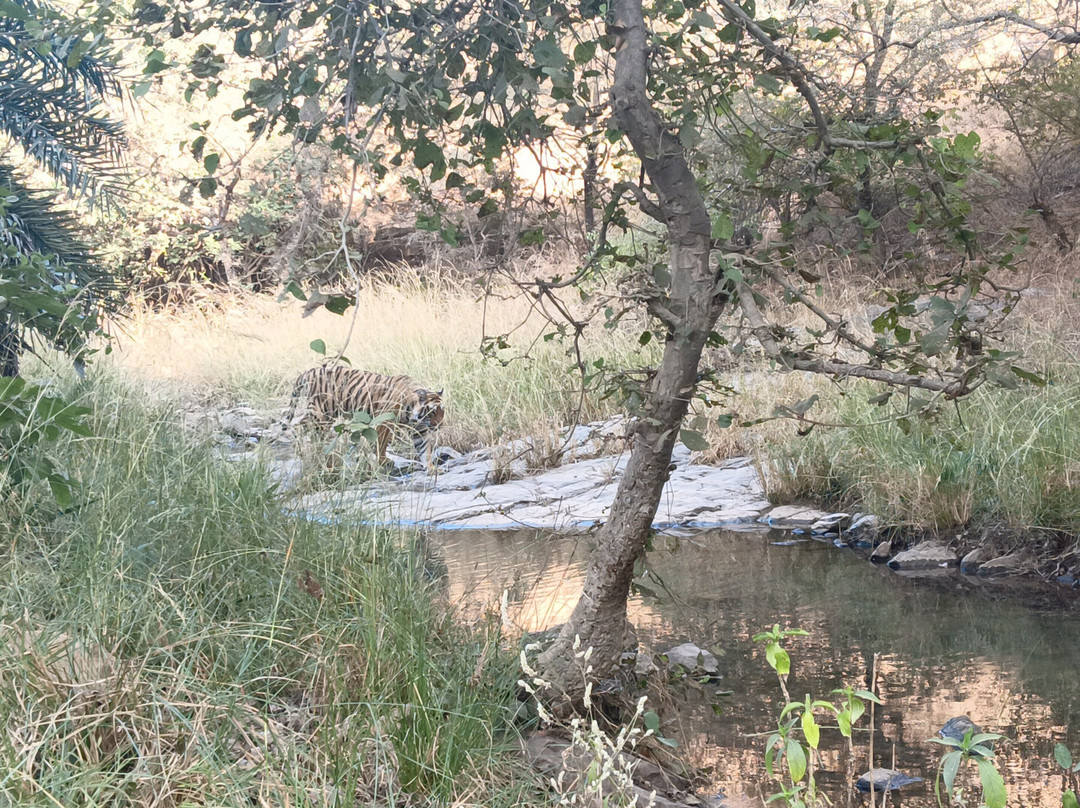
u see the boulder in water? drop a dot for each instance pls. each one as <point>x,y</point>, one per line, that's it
<point>957,728</point>
<point>885,780</point>
<point>928,555</point>
<point>693,659</point>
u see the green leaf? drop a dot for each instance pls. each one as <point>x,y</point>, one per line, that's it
<point>210,162</point>
<point>13,10</point>
<point>722,227</point>
<point>1028,376</point>
<point>338,304</point>
<point>965,147</point>
<point>778,659</point>
<point>826,35</point>
<point>703,19</point>
<point>843,720</point>
<point>427,153</point>
<point>61,489</point>
<point>1068,800</point>
<point>810,728</point>
<point>651,721</point>
<point>207,187</point>
<point>993,785</point>
<point>575,115</point>
<point>796,760</point>
<point>770,753</point>
<point>82,47</point>
<point>293,289</point>
<point>1063,756</point>
<point>584,52</point>
<point>768,83</point>
<point>950,765</point>
<point>933,341</point>
<point>318,346</point>
<point>242,45</point>
<point>694,441</point>
<point>857,710</point>
<point>724,421</point>
<point>155,63</point>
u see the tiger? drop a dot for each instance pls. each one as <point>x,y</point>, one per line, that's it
<point>337,391</point>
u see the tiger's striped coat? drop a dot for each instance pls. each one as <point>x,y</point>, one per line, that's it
<point>338,391</point>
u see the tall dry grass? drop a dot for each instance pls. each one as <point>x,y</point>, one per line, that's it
<point>251,348</point>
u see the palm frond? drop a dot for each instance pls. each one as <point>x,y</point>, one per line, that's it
<point>52,287</point>
<point>51,88</point>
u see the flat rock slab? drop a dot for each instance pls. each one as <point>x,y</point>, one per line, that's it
<point>574,496</point>
<point>926,556</point>
<point>793,516</point>
<point>1006,565</point>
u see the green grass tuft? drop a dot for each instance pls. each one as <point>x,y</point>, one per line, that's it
<point>178,640</point>
<point>1007,458</point>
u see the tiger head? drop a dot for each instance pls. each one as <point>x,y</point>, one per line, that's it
<point>427,410</point>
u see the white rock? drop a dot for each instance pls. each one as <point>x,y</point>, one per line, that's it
<point>1005,565</point>
<point>644,667</point>
<point>882,552</point>
<point>927,555</point>
<point>974,559</point>
<point>828,524</point>
<point>788,516</point>
<point>862,523</point>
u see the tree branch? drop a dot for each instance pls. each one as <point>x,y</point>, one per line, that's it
<point>798,74</point>
<point>1062,36</point>
<point>837,369</point>
<point>839,327</point>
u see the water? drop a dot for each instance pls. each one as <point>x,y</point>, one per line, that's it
<point>1007,654</point>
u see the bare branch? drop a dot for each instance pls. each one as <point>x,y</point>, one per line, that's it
<point>648,207</point>
<point>799,75</point>
<point>839,327</point>
<point>838,369</point>
<point>1063,36</point>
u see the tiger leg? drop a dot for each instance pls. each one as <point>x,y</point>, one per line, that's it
<point>424,444</point>
<point>382,441</point>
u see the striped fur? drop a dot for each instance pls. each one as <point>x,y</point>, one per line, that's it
<point>337,391</point>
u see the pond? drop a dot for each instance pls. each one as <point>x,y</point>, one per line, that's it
<point>1006,654</point>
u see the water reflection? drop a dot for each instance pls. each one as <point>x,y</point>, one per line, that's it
<point>1007,655</point>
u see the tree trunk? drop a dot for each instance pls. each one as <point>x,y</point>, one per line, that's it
<point>588,181</point>
<point>10,347</point>
<point>689,306</point>
<point>1054,224</point>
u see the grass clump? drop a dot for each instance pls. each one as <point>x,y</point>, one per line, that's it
<point>177,640</point>
<point>1008,458</point>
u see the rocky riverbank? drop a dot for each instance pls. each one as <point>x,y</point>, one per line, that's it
<point>569,484</point>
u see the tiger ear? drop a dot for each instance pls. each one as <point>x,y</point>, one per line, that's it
<point>439,393</point>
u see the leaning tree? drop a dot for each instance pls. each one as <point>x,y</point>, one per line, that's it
<point>722,130</point>
<point>54,76</point>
